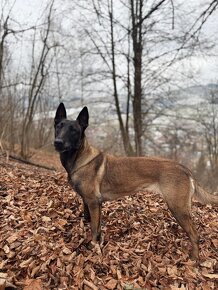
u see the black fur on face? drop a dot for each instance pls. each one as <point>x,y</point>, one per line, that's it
<point>69,134</point>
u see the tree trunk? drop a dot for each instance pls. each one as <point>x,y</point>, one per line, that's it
<point>136,14</point>
<point>124,130</point>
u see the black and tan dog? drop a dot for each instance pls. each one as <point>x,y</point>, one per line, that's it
<point>99,177</point>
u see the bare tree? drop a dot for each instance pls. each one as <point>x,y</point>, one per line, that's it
<point>123,129</point>
<point>38,77</point>
<point>9,31</point>
<point>129,55</point>
<point>130,41</point>
<point>208,118</point>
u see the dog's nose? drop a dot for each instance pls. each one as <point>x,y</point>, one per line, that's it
<point>58,143</point>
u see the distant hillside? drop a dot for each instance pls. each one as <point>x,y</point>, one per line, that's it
<point>101,108</point>
<point>196,94</point>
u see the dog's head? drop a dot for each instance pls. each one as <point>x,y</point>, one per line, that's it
<point>69,134</point>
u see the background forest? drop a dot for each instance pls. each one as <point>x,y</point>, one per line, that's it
<point>146,70</point>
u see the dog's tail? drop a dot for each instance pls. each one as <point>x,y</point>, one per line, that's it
<point>203,196</point>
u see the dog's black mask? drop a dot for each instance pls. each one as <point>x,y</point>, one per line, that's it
<point>69,134</point>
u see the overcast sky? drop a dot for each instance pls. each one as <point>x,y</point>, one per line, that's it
<point>28,12</point>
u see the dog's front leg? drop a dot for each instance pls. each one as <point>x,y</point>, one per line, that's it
<point>95,213</point>
<point>87,216</point>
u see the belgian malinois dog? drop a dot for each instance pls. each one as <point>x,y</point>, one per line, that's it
<point>99,177</point>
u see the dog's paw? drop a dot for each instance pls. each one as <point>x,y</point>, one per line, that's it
<point>96,248</point>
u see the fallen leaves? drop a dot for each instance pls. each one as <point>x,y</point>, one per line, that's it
<point>3,277</point>
<point>4,284</point>
<point>33,284</point>
<point>44,242</point>
<point>211,276</point>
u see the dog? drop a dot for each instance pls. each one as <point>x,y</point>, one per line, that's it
<point>99,177</point>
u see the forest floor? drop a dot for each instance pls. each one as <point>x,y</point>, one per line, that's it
<point>44,242</point>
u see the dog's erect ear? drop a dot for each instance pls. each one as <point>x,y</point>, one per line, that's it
<point>60,114</point>
<point>83,118</point>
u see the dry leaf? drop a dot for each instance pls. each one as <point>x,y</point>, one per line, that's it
<point>61,222</point>
<point>66,251</point>
<point>172,271</point>
<point>46,219</point>
<point>177,288</point>
<point>3,275</point>
<point>6,249</point>
<point>26,262</point>
<point>111,284</point>
<point>89,284</point>
<point>207,264</point>
<point>215,243</point>
<point>35,271</point>
<point>210,276</point>
<point>2,284</point>
<point>33,284</point>
<point>12,238</point>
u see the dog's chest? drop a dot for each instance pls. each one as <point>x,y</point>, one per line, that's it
<point>75,184</point>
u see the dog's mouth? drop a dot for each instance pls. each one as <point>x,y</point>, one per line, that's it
<point>59,150</point>
<point>62,150</point>
<point>61,147</point>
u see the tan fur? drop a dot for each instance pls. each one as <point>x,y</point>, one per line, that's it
<point>102,177</point>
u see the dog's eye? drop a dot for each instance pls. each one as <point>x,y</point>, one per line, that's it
<point>72,129</point>
<point>60,125</point>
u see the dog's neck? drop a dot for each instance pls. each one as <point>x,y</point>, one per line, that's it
<point>74,159</point>
<point>68,159</point>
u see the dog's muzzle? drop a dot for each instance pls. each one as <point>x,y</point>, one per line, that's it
<point>59,144</point>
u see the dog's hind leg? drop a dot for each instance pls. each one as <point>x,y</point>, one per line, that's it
<point>177,192</point>
<point>185,221</point>
<point>180,211</point>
